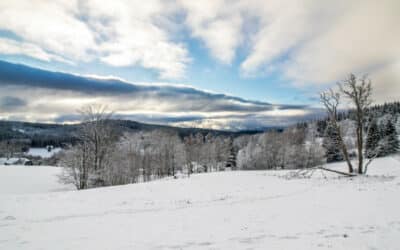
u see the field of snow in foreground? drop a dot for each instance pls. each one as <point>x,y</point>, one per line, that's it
<point>225,210</point>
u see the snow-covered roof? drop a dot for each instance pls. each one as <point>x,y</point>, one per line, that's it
<point>42,152</point>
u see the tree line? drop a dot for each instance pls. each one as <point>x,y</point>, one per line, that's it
<point>105,156</point>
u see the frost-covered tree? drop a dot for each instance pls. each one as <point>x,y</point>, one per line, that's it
<point>390,142</point>
<point>206,153</point>
<point>12,147</point>
<point>295,147</point>
<point>315,154</point>
<point>193,149</point>
<point>331,144</point>
<point>398,124</point>
<point>96,139</point>
<point>76,165</point>
<point>372,140</point>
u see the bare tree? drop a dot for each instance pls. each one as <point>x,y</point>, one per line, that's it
<point>314,150</point>
<point>12,147</point>
<point>331,100</point>
<point>90,157</point>
<point>75,166</point>
<point>193,146</point>
<point>145,156</point>
<point>359,92</point>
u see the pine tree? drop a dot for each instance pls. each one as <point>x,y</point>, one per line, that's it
<point>372,142</point>
<point>391,141</point>
<point>397,126</point>
<point>331,144</point>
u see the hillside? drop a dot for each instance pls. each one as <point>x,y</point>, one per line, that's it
<point>222,210</point>
<point>42,134</point>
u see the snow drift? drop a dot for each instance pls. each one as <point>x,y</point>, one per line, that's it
<point>223,210</point>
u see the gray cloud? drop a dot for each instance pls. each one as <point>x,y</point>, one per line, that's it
<point>55,97</point>
<point>158,119</point>
<point>194,99</point>
<point>11,103</point>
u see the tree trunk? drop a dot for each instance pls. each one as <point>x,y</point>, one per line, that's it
<point>360,149</point>
<point>344,148</point>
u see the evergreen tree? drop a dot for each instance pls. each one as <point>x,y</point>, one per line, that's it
<point>331,144</point>
<point>321,127</point>
<point>372,142</point>
<point>397,126</point>
<point>391,141</point>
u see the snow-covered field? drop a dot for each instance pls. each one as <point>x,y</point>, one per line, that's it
<point>225,210</point>
<point>16,179</point>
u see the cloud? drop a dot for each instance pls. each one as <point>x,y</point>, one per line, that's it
<point>281,26</point>
<point>255,121</point>
<point>143,117</point>
<point>61,95</point>
<point>386,83</point>
<point>133,33</point>
<point>363,38</point>
<point>49,25</point>
<point>118,33</point>
<point>11,103</point>
<point>218,24</point>
<point>12,47</point>
<point>168,97</point>
<point>317,43</point>
<point>305,42</point>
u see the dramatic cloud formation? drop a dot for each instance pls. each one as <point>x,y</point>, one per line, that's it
<point>307,45</point>
<point>360,35</point>
<point>34,94</point>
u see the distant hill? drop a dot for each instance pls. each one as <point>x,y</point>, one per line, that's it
<point>42,134</point>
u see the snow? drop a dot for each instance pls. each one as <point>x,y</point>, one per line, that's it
<point>13,161</point>
<point>30,180</point>
<point>222,210</point>
<point>42,152</point>
<point>8,161</point>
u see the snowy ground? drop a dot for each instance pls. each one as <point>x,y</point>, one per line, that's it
<point>226,210</point>
<point>29,180</point>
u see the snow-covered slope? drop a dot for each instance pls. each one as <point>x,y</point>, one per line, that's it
<point>16,179</point>
<point>225,210</point>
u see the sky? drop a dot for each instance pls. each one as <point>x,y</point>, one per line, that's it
<point>215,64</point>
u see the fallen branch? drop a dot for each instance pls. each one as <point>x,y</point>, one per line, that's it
<point>337,172</point>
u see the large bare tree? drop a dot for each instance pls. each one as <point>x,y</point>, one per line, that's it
<point>331,100</point>
<point>359,92</point>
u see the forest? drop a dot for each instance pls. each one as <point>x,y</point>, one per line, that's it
<point>102,156</point>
